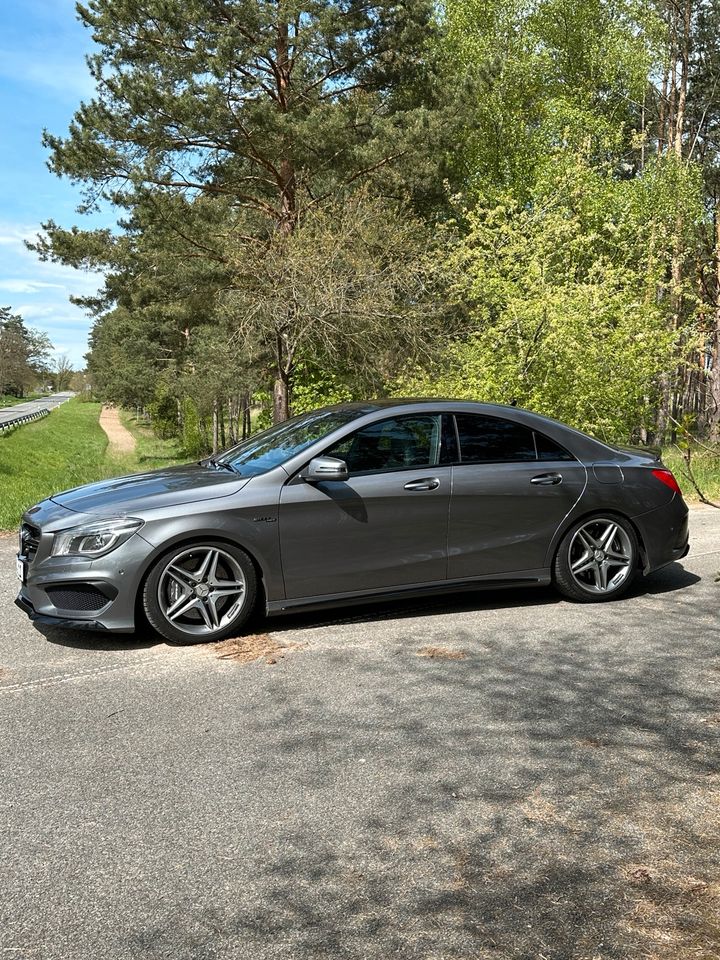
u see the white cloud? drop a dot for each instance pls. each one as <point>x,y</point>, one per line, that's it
<point>28,286</point>
<point>40,292</point>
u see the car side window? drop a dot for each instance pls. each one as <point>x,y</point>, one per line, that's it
<point>400,443</point>
<point>493,440</point>
<point>547,449</point>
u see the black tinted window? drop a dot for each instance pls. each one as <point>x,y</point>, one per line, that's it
<point>492,440</point>
<point>396,444</point>
<point>547,449</point>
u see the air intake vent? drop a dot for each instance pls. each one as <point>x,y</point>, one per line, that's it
<point>29,541</point>
<point>79,596</point>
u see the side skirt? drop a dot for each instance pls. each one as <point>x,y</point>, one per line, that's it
<point>528,578</point>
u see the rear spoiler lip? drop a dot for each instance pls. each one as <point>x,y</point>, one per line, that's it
<point>653,452</point>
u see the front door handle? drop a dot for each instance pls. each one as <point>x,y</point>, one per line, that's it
<point>547,479</point>
<point>427,483</point>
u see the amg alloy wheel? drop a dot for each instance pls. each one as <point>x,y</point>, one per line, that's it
<point>200,593</point>
<point>597,559</point>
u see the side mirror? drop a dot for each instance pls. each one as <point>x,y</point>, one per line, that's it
<point>325,468</point>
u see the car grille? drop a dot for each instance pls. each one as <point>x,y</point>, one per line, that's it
<point>29,541</point>
<point>79,596</point>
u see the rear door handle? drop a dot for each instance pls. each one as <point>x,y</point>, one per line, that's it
<point>427,483</point>
<point>547,479</point>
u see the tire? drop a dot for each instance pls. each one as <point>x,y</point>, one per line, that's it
<point>597,559</point>
<point>200,593</point>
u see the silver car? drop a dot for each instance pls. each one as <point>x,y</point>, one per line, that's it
<point>355,502</point>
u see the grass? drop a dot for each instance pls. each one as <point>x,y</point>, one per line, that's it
<point>705,464</point>
<point>151,451</point>
<point>7,400</point>
<point>64,450</point>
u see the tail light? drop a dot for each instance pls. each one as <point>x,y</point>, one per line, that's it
<point>666,476</point>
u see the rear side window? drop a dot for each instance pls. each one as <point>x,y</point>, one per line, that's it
<point>547,449</point>
<point>493,440</point>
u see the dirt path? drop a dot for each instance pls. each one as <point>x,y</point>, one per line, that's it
<point>121,440</point>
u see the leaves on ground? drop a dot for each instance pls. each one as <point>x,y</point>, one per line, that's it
<point>254,646</point>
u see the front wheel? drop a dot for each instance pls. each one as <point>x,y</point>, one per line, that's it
<point>597,559</point>
<point>200,593</point>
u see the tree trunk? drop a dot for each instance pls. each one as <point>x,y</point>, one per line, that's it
<point>286,169</point>
<point>281,397</point>
<point>215,432</point>
<point>246,423</point>
<point>684,52</point>
<point>714,405</point>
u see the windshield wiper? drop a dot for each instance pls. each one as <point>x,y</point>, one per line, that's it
<point>221,465</point>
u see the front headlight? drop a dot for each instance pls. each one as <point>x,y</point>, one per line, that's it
<point>95,539</point>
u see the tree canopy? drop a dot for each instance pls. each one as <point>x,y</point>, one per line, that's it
<point>504,200</point>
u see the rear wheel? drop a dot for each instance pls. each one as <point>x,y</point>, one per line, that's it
<point>200,593</point>
<point>597,559</point>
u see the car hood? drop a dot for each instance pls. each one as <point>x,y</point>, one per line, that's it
<point>170,487</point>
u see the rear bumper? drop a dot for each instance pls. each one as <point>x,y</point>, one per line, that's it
<point>665,534</point>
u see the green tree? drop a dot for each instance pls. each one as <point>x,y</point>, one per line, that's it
<point>24,353</point>
<point>354,284</point>
<point>259,110</point>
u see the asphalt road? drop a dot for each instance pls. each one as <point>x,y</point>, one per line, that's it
<point>33,406</point>
<point>550,790</point>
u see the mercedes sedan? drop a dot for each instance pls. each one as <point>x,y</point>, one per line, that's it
<point>351,503</point>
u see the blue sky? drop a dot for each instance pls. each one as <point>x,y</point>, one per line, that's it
<point>43,78</point>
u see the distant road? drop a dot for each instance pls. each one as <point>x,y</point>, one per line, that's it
<point>20,410</point>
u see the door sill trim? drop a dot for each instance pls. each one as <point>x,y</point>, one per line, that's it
<point>538,578</point>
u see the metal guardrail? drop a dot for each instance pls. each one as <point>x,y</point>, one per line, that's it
<point>24,418</point>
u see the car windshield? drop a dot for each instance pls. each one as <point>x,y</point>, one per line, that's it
<point>276,446</point>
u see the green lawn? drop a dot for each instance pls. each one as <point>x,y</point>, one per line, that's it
<point>63,450</point>
<point>6,400</point>
<point>151,451</point>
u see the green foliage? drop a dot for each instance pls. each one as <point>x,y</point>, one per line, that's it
<point>317,198</point>
<point>562,294</point>
<point>151,450</point>
<point>24,354</point>
<point>317,386</point>
<point>163,411</point>
<point>193,441</point>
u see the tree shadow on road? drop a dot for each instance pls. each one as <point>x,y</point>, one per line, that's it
<point>554,794</point>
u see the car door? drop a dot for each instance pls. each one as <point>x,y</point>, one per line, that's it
<point>383,527</point>
<point>512,487</point>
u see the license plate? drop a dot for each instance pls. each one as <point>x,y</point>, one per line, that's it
<point>20,567</point>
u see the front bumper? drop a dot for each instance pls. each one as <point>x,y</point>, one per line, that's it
<point>84,594</point>
<point>22,601</point>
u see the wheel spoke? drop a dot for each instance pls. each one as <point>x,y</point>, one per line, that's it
<point>602,578</point>
<point>203,608</point>
<point>583,564</point>
<point>183,577</point>
<point>586,540</point>
<point>608,536</point>
<point>226,588</point>
<point>210,560</point>
<point>617,558</point>
<point>191,604</point>
<point>176,604</point>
